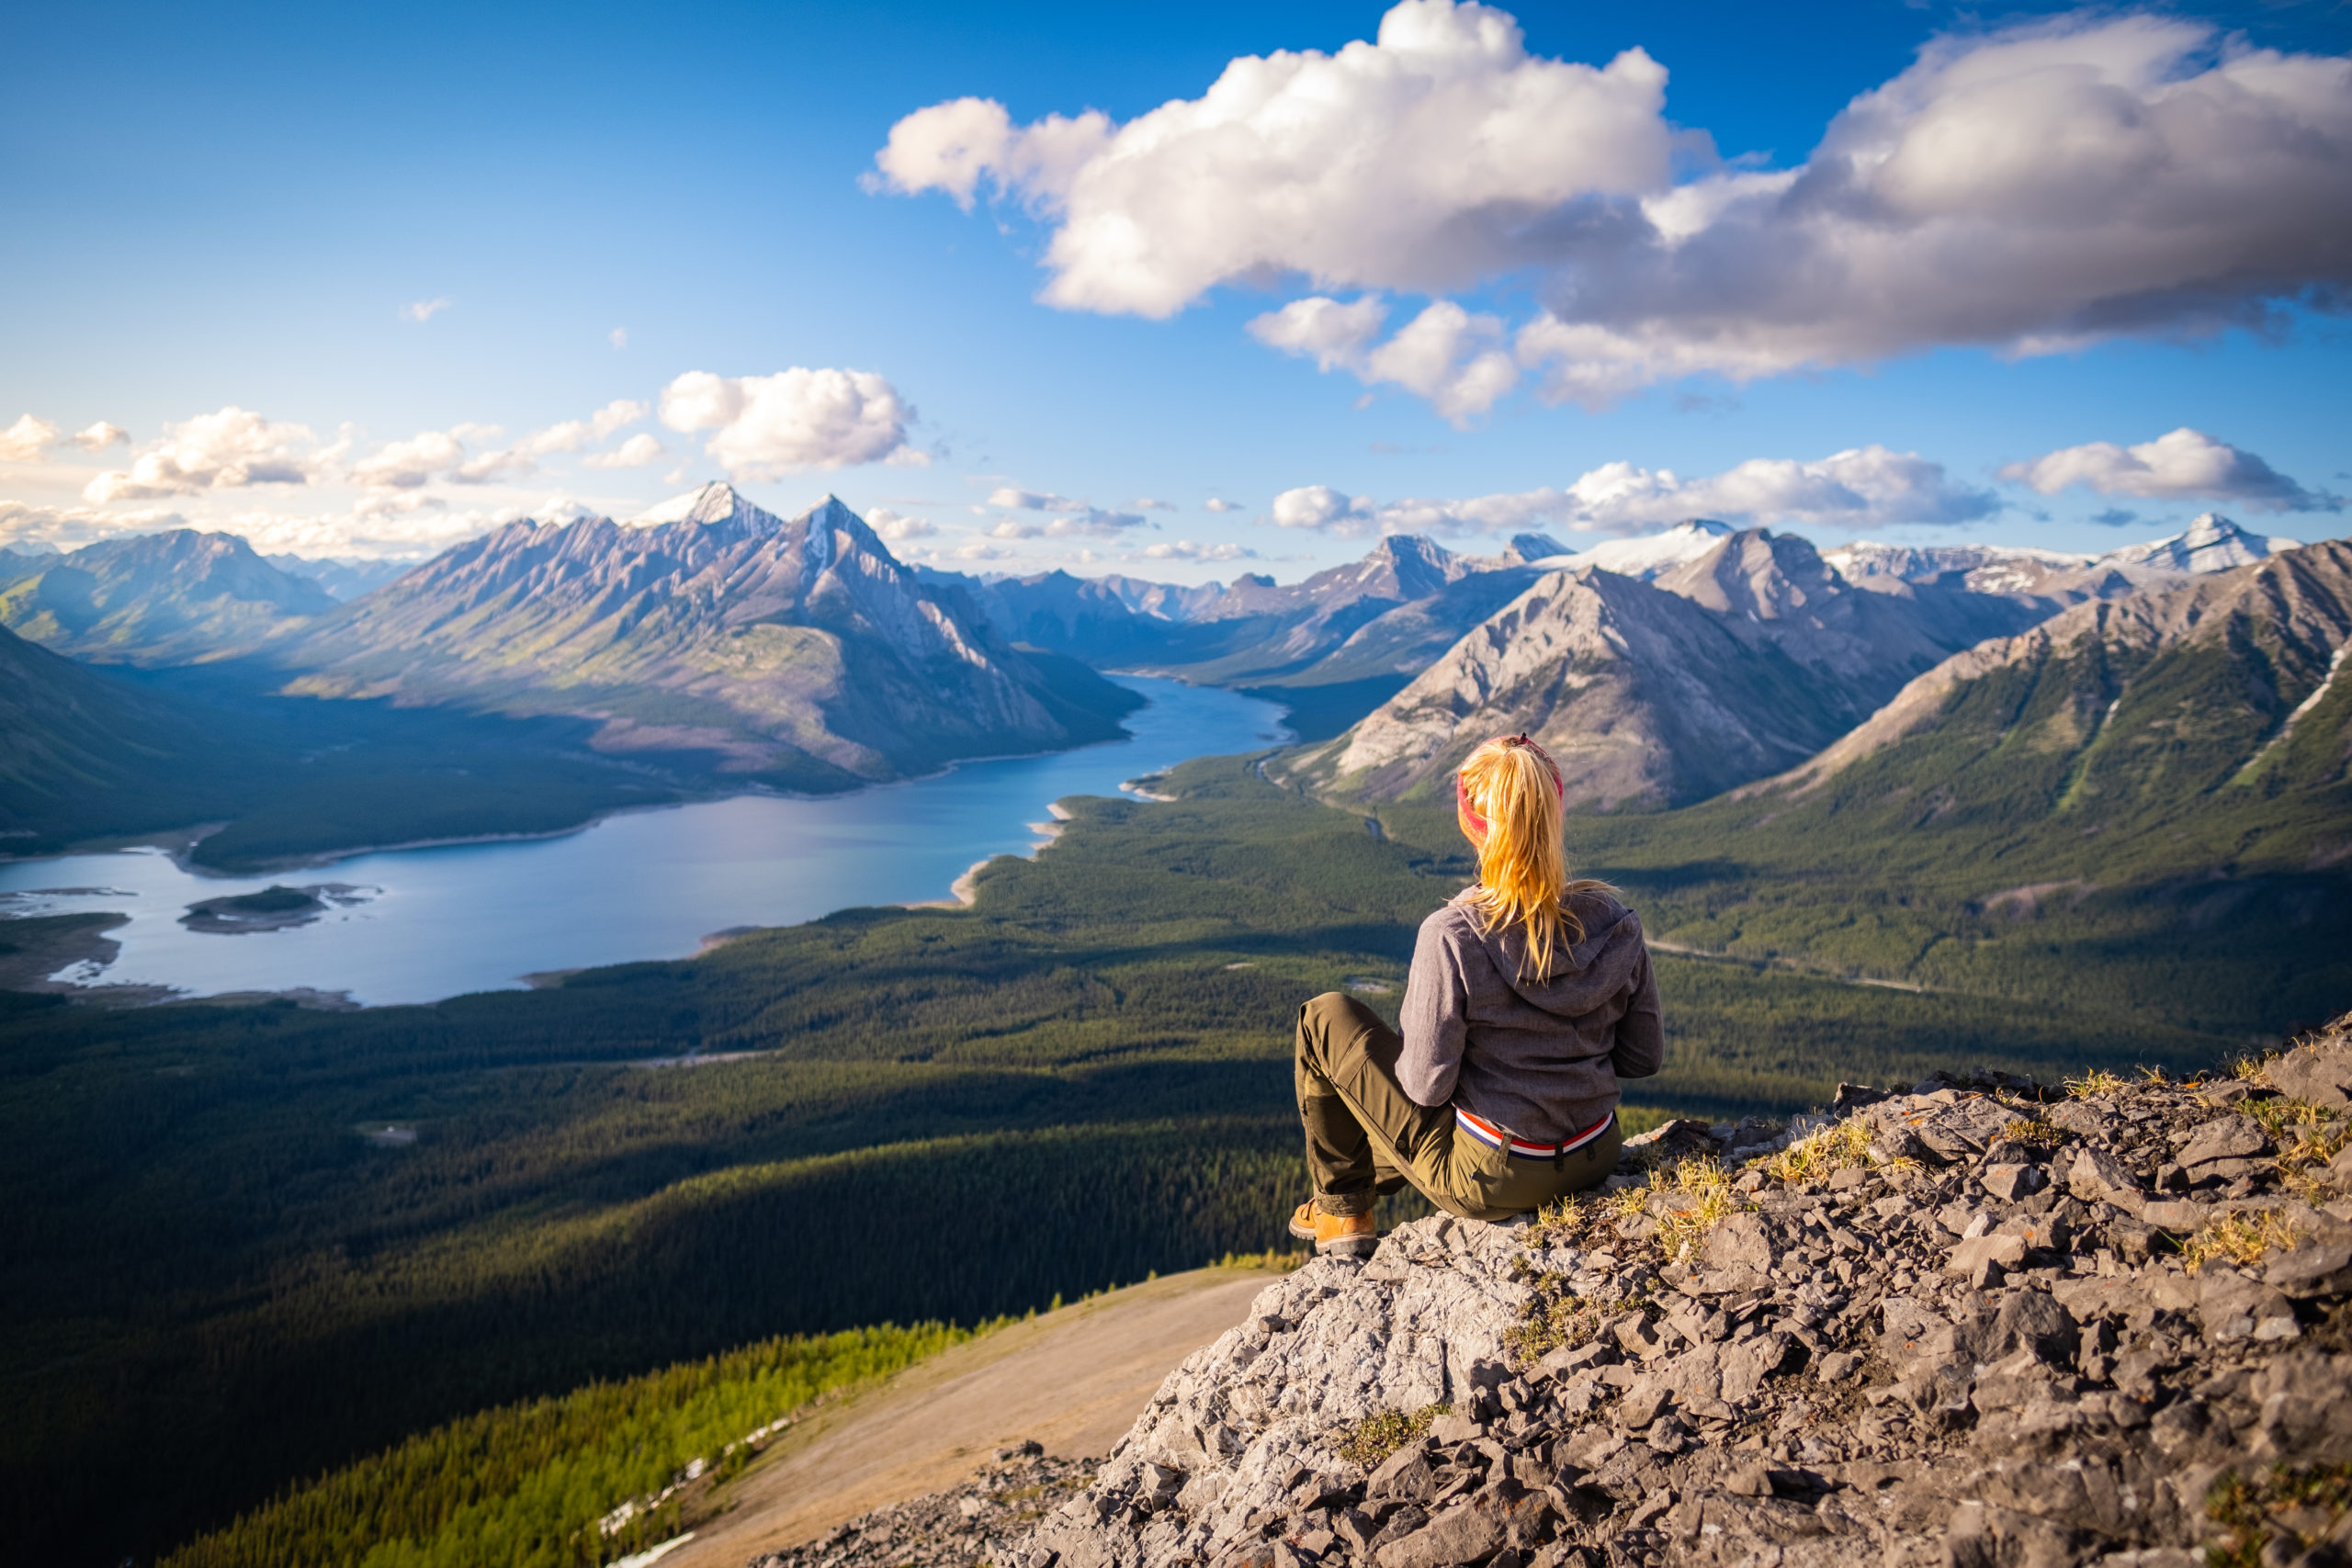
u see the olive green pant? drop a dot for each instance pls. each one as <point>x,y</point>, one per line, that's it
<point>1365,1135</point>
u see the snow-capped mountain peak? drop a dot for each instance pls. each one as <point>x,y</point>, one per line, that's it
<point>716,502</point>
<point>1646,555</point>
<point>2212,543</point>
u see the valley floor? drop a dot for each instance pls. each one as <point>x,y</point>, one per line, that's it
<point>1073,1380</point>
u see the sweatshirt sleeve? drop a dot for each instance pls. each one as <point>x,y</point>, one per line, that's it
<point>1435,1018</point>
<point>1640,1050</point>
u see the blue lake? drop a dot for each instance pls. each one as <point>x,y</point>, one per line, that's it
<point>417,925</point>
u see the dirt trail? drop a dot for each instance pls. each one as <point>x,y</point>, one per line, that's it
<point>1074,1380</point>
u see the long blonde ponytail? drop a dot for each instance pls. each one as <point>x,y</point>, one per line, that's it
<point>1508,794</point>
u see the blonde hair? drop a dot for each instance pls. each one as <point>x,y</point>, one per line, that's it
<point>1508,794</point>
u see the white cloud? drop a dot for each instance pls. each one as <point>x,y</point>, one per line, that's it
<point>454,456</point>
<point>2029,189</point>
<point>67,528</point>
<point>424,310</point>
<point>618,337</point>
<point>1867,487</point>
<point>953,146</point>
<point>406,464</point>
<point>573,434</point>
<point>1413,162</point>
<point>2185,465</point>
<point>1031,501</point>
<point>639,451</point>
<point>796,419</point>
<point>1458,360</point>
<point>1323,508</point>
<point>980,549</point>
<point>898,527</point>
<point>1218,504</point>
<point>25,441</point>
<point>1149,504</point>
<point>101,435</point>
<point>227,450</point>
<point>1185,549</point>
<point>1012,529</point>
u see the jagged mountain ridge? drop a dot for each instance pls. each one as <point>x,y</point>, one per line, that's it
<point>2169,695</point>
<point>177,597</point>
<point>1652,693</point>
<point>800,651</point>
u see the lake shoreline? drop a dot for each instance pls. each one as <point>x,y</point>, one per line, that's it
<point>665,881</point>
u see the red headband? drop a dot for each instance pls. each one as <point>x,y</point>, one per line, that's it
<point>1461,794</point>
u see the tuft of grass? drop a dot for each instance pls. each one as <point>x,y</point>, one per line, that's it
<point>1698,1193</point>
<point>2288,1121</point>
<point>2299,1506</point>
<point>2242,1240</point>
<point>2252,1067</point>
<point>2098,1080</point>
<point>1816,1156</point>
<point>1553,1317</point>
<point>1274,1259</point>
<point>1374,1439</point>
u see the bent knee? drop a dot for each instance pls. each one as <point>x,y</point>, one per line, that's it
<point>1333,1008</point>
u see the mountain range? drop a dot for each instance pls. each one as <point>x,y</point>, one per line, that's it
<point>2228,681</point>
<point>177,597</point>
<point>713,635</point>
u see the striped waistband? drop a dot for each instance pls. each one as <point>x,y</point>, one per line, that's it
<point>1494,1138</point>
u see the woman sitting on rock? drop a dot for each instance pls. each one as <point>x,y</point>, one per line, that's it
<point>1530,996</point>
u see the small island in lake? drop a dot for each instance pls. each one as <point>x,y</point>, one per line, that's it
<point>274,908</point>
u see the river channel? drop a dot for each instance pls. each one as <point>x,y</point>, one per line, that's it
<point>417,925</point>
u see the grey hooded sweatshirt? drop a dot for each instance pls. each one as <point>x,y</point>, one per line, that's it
<point>1539,1056</point>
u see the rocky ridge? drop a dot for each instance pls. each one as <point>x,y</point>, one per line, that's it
<point>981,1520</point>
<point>1982,1323</point>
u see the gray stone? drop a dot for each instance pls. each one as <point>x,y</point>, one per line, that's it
<point>1467,1533</point>
<point>2233,1308</point>
<point>2320,1072</point>
<point>2011,1182</point>
<point>2318,1264</point>
<point>2223,1138</point>
<point>2099,1177</point>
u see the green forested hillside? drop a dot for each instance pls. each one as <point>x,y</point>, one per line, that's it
<point>537,1484</point>
<point>86,754</point>
<point>219,1273</point>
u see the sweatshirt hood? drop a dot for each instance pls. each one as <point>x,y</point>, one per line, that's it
<point>1582,976</point>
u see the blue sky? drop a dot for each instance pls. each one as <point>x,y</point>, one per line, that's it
<point>246,209</point>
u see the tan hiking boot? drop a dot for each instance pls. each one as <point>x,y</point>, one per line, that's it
<point>1340,1236</point>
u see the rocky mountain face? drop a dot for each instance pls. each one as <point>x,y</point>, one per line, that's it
<point>2228,678</point>
<point>1657,693</point>
<point>1371,622</point>
<point>178,597</point>
<point>714,633</point>
<point>344,577</point>
<point>1979,1323</point>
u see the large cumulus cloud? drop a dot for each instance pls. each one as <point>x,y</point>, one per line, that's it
<point>2182,465</point>
<point>763,426</point>
<point>2029,189</point>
